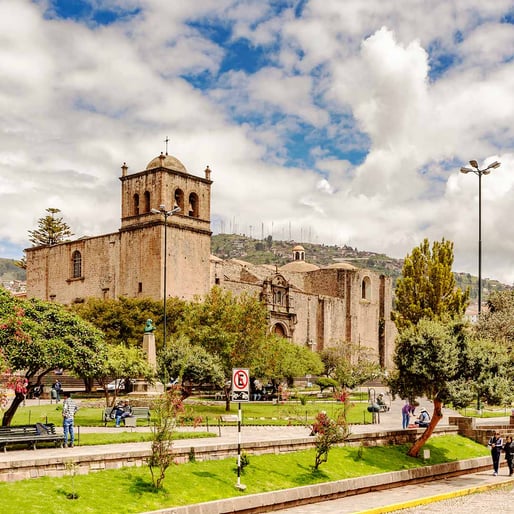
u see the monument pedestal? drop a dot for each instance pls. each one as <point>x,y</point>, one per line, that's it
<point>142,387</point>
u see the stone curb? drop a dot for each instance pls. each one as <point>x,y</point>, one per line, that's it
<point>339,489</point>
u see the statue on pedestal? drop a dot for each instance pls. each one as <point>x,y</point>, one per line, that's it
<point>149,328</point>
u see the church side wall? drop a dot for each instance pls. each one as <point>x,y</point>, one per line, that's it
<point>50,270</point>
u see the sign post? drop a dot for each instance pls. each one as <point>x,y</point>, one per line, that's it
<point>240,393</point>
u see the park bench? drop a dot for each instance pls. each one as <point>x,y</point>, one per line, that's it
<point>30,435</point>
<point>137,413</point>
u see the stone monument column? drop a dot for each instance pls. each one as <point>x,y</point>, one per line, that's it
<point>149,349</point>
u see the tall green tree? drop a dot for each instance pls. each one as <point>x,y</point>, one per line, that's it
<point>52,229</point>
<point>427,287</point>
<point>37,337</point>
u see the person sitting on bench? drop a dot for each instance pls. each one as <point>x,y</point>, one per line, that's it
<point>121,411</point>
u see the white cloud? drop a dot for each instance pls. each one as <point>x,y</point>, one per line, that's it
<point>353,81</point>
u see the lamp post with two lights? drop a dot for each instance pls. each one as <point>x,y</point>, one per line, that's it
<point>477,171</point>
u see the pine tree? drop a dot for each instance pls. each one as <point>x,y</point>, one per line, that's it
<point>51,229</point>
<point>427,287</point>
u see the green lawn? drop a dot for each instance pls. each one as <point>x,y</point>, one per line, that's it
<point>258,413</point>
<point>129,490</point>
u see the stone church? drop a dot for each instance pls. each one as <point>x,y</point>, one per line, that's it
<point>311,306</point>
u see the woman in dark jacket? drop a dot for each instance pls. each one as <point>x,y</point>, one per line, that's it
<point>509,453</point>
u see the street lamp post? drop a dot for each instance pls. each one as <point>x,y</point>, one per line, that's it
<point>162,210</point>
<point>474,169</point>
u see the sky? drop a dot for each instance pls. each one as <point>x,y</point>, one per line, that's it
<point>324,121</point>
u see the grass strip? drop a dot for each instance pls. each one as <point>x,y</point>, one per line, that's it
<point>129,490</point>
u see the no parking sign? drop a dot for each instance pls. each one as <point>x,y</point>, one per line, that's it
<point>240,385</point>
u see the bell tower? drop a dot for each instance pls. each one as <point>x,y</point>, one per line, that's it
<point>165,182</point>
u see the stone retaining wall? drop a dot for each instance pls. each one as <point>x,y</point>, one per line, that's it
<point>36,463</point>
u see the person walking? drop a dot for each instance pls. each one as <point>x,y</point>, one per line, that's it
<point>69,408</point>
<point>509,453</point>
<point>57,388</point>
<point>496,445</point>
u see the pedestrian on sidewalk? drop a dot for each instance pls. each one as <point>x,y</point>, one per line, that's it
<point>69,408</point>
<point>407,412</point>
<point>509,453</point>
<point>496,445</point>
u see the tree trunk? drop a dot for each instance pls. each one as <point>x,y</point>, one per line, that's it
<point>436,417</point>
<point>11,411</point>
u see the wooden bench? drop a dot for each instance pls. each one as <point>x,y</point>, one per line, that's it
<point>137,413</point>
<point>30,435</point>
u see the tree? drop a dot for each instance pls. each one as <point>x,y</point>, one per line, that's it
<point>281,360</point>
<point>233,328</point>
<point>122,363</point>
<point>166,410</point>
<point>123,320</point>
<point>329,431</point>
<point>430,357</point>
<point>189,364</point>
<point>350,364</point>
<point>427,287</point>
<point>37,337</point>
<point>51,229</point>
<point>497,322</point>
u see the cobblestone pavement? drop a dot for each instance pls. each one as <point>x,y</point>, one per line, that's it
<point>447,496</point>
<point>499,501</point>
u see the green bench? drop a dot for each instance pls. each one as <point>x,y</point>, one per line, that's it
<point>30,435</point>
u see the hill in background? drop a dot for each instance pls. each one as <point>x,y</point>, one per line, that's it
<point>269,251</point>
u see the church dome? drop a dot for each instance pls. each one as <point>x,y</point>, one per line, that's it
<point>166,161</point>
<point>299,267</point>
<point>298,248</point>
<point>342,265</point>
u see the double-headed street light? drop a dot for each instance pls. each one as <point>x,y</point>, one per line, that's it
<point>474,169</point>
<point>162,210</point>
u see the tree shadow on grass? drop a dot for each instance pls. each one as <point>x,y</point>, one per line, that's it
<point>308,474</point>
<point>69,495</point>
<point>140,486</point>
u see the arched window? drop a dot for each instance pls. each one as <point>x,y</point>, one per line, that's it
<point>193,205</point>
<point>147,201</point>
<point>279,330</point>
<point>136,204</point>
<point>76,261</point>
<point>179,200</point>
<point>366,288</point>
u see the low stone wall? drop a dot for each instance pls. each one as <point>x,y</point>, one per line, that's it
<point>469,427</point>
<point>89,459</point>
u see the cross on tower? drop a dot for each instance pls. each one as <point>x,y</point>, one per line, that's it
<point>166,141</point>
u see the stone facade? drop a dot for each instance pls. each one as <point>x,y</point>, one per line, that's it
<point>311,306</point>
